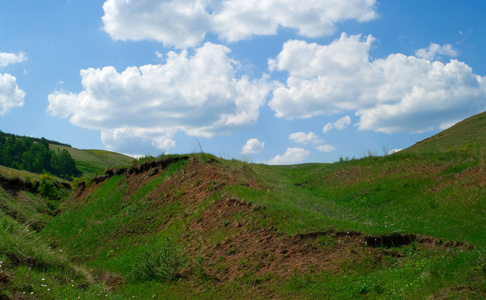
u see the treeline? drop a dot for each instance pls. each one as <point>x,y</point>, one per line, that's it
<point>34,155</point>
<point>36,139</point>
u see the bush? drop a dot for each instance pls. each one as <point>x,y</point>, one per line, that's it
<point>163,262</point>
<point>46,187</point>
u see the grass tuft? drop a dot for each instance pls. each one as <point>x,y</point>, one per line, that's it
<point>163,262</point>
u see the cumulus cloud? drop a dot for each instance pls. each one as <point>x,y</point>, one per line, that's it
<point>311,138</point>
<point>240,19</point>
<point>325,148</point>
<point>435,51</point>
<point>10,94</point>
<point>181,23</point>
<point>184,23</point>
<point>328,127</point>
<point>342,123</point>
<point>305,138</point>
<point>394,94</point>
<point>11,58</point>
<point>199,95</point>
<point>291,156</point>
<point>252,146</point>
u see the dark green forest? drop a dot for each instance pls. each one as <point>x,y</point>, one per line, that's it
<point>34,155</point>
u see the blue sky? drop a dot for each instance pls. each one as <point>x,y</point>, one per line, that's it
<point>270,81</point>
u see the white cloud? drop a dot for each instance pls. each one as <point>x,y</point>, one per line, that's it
<point>198,95</point>
<point>395,151</point>
<point>252,146</point>
<point>321,79</point>
<point>10,94</point>
<point>435,51</point>
<point>313,139</point>
<point>328,127</point>
<point>305,138</point>
<point>393,94</point>
<point>342,123</point>
<point>291,156</point>
<point>184,23</point>
<point>164,143</point>
<point>180,23</point>
<point>159,55</point>
<point>325,148</point>
<point>11,58</point>
<point>241,19</point>
<point>446,125</point>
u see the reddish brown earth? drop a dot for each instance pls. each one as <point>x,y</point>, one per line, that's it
<point>235,242</point>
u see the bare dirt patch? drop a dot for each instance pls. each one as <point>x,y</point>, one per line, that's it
<point>247,249</point>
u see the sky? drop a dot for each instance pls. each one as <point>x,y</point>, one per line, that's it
<point>266,81</point>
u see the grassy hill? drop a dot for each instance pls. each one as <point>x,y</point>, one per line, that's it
<point>467,135</point>
<point>406,226</point>
<point>92,162</point>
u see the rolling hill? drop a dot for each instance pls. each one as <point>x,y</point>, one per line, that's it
<point>405,226</point>
<point>92,162</point>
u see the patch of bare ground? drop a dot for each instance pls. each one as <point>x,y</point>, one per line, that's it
<point>459,292</point>
<point>111,280</point>
<point>469,179</point>
<point>245,248</point>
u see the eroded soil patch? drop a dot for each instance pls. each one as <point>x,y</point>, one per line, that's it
<point>245,248</point>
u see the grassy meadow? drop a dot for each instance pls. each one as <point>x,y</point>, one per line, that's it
<point>410,225</point>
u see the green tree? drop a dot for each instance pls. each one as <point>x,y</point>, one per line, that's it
<point>63,164</point>
<point>37,159</point>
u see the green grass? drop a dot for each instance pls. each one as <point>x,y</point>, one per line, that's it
<point>30,268</point>
<point>417,278</point>
<point>379,196</point>
<point>371,195</point>
<point>465,135</point>
<point>92,162</point>
<point>435,188</point>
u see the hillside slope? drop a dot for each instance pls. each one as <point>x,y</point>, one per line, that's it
<point>375,227</point>
<point>92,162</point>
<point>467,134</point>
<point>405,226</point>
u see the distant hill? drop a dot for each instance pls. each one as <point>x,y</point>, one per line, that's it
<point>35,139</point>
<point>40,155</point>
<point>92,162</point>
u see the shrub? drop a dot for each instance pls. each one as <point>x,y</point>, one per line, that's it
<point>163,262</point>
<point>46,187</point>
